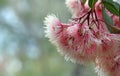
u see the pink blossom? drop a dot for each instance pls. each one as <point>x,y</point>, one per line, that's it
<point>76,7</point>
<point>109,45</point>
<point>86,38</point>
<point>81,42</point>
<point>108,66</point>
<point>53,27</point>
<point>75,42</point>
<point>116,20</point>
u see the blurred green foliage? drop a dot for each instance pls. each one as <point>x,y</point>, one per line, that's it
<point>24,51</point>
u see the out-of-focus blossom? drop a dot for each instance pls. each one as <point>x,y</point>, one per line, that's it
<point>76,7</point>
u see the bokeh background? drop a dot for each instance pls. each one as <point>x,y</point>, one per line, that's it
<point>24,51</point>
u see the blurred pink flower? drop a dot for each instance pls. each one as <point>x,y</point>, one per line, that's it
<point>76,7</point>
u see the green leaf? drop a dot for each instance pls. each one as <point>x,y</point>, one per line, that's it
<point>91,3</point>
<point>118,7</point>
<point>109,22</point>
<point>111,6</point>
<point>107,19</point>
<point>83,1</point>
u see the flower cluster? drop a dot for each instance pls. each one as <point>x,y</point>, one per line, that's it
<point>86,37</point>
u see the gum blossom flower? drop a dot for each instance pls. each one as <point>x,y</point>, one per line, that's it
<point>74,41</point>
<point>108,66</point>
<point>76,7</point>
<point>85,38</point>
